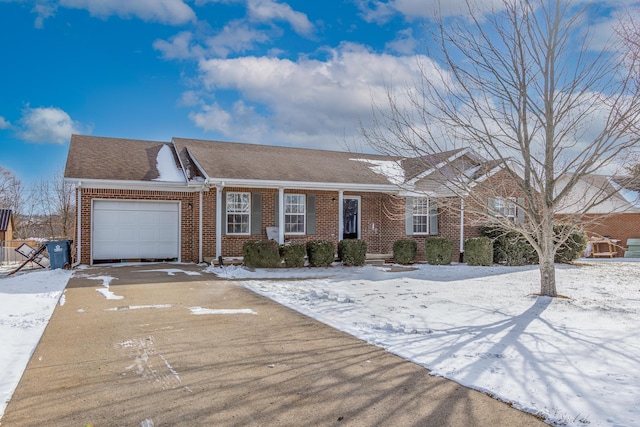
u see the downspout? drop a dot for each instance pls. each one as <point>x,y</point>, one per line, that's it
<point>219,202</point>
<point>461,230</point>
<point>200,227</point>
<point>78,224</point>
<point>340,215</point>
<point>281,215</point>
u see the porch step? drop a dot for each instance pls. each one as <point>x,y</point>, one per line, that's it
<point>378,259</point>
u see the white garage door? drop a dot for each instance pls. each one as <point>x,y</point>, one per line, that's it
<point>135,229</point>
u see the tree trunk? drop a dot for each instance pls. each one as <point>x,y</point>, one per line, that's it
<point>548,277</point>
<point>547,256</point>
<point>547,259</point>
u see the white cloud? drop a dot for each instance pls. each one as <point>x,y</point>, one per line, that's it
<point>235,37</point>
<point>47,125</point>
<point>307,102</point>
<point>269,10</point>
<point>381,11</point>
<point>213,118</point>
<point>172,12</point>
<point>43,11</point>
<point>4,123</point>
<point>404,43</point>
<point>180,46</point>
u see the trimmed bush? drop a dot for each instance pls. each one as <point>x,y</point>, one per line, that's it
<point>478,251</point>
<point>404,251</point>
<point>321,253</point>
<point>261,254</point>
<point>438,250</point>
<point>293,254</point>
<point>352,251</point>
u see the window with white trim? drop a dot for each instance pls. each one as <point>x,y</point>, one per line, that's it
<point>238,213</point>
<point>506,208</point>
<point>420,215</point>
<point>294,213</point>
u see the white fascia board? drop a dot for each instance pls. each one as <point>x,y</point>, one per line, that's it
<point>329,186</point>
<point>432,194</point>
<point>133,185</point>
<point>408,193</point>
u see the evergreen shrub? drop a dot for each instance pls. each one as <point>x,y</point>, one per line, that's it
<point>404,251</point>
<point>511,248</point>
<point>293,254</point>
<point>478,251</point>
<point>261,254</point>
<point>573,247</point>
<point>438,250</point>
<point>321,253</point>
<point>352,252</point>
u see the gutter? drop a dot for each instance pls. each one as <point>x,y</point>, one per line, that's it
<point>298,185</point>
<point>132,185</point>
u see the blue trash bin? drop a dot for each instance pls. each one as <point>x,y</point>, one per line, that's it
<point>59,253</point>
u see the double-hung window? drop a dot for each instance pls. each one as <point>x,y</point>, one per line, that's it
<point>294,213</point>
<point>506,208</point>
<point>420,215</point>
<point>238,213</point>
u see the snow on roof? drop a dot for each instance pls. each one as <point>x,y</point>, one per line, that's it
<point>166,165</point>
<point>390,169</point>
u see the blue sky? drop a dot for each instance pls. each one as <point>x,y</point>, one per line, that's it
<point>297,73</point>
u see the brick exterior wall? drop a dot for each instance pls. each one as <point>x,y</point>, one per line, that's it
<point>382,220</point>
<point>621,226</point>
<point>189,217</point>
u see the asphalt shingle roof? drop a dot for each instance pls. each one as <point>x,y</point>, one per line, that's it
<point>92,157</point>
<point>100,158</point>
<point>225,160</point>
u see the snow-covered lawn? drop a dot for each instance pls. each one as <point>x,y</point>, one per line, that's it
<point>27,301</point>
<point>575,361</point>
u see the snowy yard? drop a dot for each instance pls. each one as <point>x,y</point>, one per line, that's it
<point>27,301</point>
<point>575,361</point>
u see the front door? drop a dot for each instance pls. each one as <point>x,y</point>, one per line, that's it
<point>351,218</point>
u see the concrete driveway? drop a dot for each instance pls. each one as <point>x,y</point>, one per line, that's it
<point>148,359</point>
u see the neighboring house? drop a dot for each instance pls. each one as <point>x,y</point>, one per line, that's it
<point>617,216</point>
<point>193,200</point>
<point>6,225</point>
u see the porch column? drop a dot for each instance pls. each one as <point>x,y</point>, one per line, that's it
<point>340,215</point>
<point>281,215</point>
<point>461,230</point>
<point>219,203</point>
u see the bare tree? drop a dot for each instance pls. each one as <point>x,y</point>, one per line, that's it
<point>54,201</point>
<point>527,87</point>
<point>10,190</point>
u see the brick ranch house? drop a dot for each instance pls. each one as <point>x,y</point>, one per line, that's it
<point>159,201</point>
<point>193,200</point>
